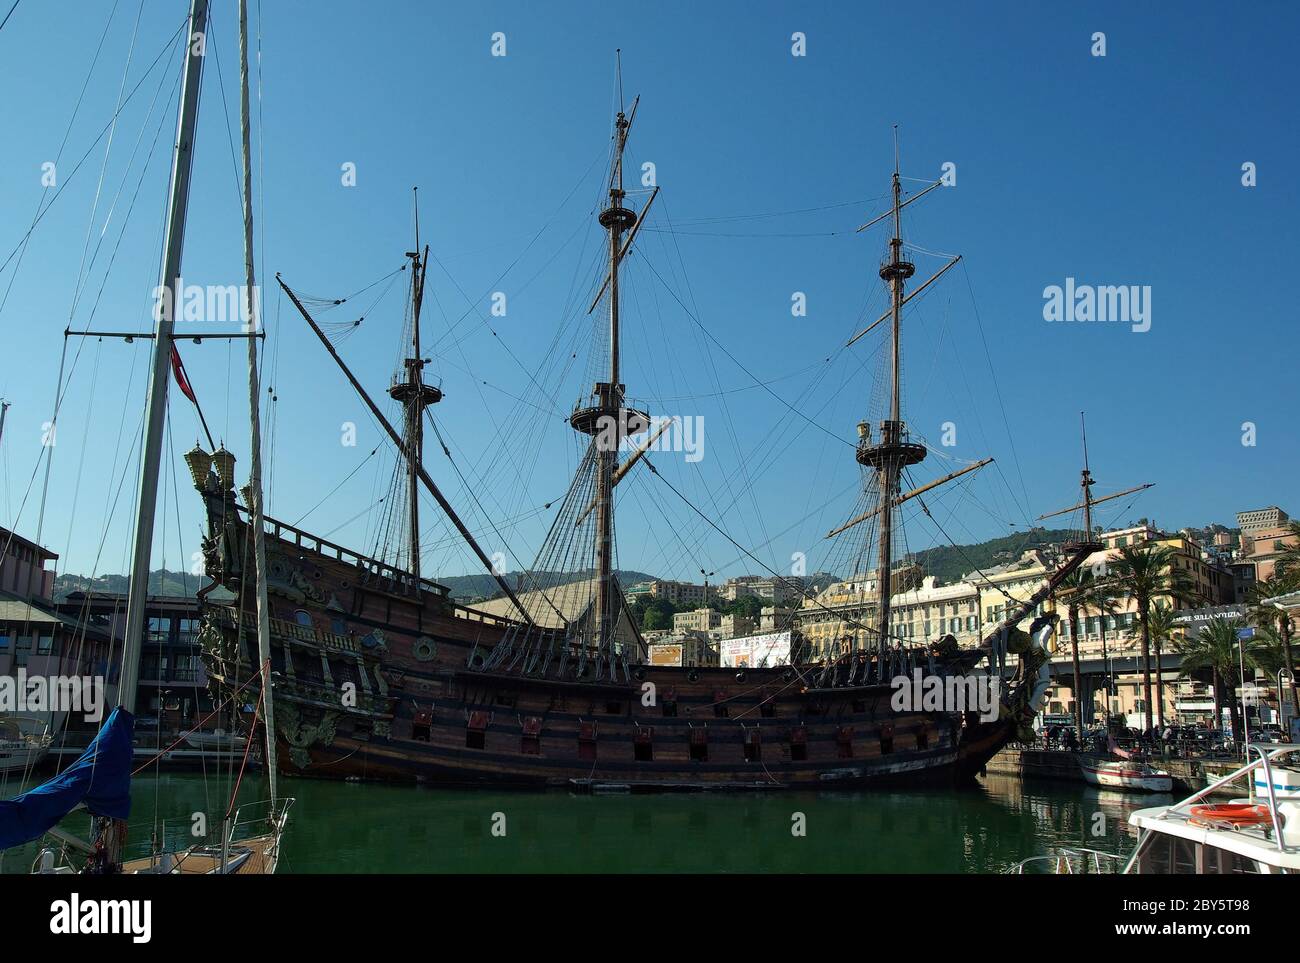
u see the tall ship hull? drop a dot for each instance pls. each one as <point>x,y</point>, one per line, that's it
<point>375,678</point>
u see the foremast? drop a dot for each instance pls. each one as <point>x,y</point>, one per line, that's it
<point>414,396</point>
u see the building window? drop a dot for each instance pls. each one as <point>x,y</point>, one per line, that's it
<point>303,618</point>
<point>158,630</point>
<point>753,745</point>
<point>44,643</point>
<point>643,746</point>
<point>22,651</point>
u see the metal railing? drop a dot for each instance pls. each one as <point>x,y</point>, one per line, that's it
<point>1064,862</point>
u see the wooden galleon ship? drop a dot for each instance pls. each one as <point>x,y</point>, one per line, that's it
<point>380,674</point>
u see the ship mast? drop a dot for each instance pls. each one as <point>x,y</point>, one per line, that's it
<point>894,451</point>
<point>414,396</point>
<point>1086,482</point>
<point>607,420</point>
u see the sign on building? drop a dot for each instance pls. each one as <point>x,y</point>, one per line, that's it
<point>666,653</point>
<point>756,651</point>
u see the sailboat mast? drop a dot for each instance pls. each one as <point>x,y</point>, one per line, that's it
<point>156,406</point>
<point>254,491</point>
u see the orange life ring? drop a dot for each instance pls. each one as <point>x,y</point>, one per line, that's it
<point>1232,814</point>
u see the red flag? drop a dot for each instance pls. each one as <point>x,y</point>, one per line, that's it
<point>182,380</point>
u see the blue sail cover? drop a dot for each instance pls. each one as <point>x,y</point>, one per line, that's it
<point>101,777</point>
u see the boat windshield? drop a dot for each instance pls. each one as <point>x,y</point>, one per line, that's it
<point>1163,853</point>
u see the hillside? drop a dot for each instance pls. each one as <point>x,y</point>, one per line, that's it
<point>161,582</point>
<point>465,587</point>
<point>948,563</point>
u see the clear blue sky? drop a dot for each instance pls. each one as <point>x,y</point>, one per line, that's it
<point>1117,170</point>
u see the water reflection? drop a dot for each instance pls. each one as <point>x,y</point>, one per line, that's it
<point>356,828</point>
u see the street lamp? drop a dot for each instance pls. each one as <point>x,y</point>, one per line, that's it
<point>706,575</point>
<point>1242,636</point>
<point>1285,680</point>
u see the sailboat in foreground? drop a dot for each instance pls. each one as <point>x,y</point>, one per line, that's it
<point>380,674</point>
<point>100,779</point>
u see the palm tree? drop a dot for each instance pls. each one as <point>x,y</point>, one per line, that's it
<point>1288,564</point>
<point>1082,591</point>
<point>1074,590</point>
<point>1277,621</point>
<point>1161,626</point>
<point>1104,599</point>
<point>1215,648</point>
<point>1145,573</point>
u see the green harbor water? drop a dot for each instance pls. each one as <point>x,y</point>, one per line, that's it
<point>370,828</point>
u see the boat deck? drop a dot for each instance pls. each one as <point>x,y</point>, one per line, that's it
<point>261,860</point>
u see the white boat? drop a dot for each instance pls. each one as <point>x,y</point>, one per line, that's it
<point>1126,774</point>
<point>216,739</point>
<point>1257,834</point>
<point>22,746</point>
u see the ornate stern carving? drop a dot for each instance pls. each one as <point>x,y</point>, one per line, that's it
<point>300,735</point>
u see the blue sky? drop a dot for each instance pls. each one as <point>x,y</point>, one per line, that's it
<point>1123,169</point>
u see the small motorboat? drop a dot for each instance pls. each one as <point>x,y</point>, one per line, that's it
<point>23,743</point>
<point>1127,774</point>
<point>217,739</point>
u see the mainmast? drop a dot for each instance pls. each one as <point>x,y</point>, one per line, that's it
<point>607,421</point>
<point>894,451</point>
<point>414,396</point>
